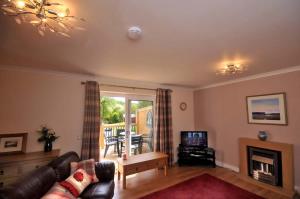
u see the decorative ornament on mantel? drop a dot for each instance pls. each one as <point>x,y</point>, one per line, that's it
<point>231,69</point>
<point>43,14</point>
<point>262,135</point>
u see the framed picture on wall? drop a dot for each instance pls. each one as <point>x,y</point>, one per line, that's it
<point>267,109</point>
<point>13,143</point>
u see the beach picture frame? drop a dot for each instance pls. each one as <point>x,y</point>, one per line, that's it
<point>267,109</point>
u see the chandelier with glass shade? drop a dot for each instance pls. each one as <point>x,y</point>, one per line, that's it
<point>45,15</point>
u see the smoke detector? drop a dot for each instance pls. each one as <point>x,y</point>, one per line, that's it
<point>134,33</point>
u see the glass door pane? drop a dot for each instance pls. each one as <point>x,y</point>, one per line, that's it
<point>112,126</point>
<point>141,120</point>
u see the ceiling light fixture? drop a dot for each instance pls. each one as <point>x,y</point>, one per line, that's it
<point>134,33</point>
<point>43,14</point>
<point>231,69</point>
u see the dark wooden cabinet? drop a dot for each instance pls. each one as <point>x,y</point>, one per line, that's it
<point>193,155</point>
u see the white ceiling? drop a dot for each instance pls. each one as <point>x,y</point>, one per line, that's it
<point>183,42</point>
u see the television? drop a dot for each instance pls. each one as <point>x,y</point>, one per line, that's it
<point>194,138</point>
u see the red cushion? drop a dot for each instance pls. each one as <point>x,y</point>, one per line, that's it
<point>88,166</point>
<point>77,182</point>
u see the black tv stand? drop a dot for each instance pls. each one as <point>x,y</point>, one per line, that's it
<point>195,155</point>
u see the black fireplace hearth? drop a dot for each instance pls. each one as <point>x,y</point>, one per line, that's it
<point>265,165</point>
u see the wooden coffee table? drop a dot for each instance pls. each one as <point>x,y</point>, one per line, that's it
<point>142,162</point>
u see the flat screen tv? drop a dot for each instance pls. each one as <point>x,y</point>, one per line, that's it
<point>194,138</point>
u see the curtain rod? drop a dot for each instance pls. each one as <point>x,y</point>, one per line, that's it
<point>131,87</point>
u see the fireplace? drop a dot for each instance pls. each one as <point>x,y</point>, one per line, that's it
<point>284,171</point>
<point>265,165</point>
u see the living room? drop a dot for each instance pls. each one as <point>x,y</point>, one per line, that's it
<point>222,56</point>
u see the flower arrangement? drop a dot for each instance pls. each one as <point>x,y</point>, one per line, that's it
<point>47,134</point>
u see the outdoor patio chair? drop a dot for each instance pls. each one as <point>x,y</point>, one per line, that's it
<point>121,140</point>
<point>110,140</point>
<point>136,143</point>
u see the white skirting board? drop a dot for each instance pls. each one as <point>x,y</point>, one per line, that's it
<point>236,169</point>
<point>227,166</point>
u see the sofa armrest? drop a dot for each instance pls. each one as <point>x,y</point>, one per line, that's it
<point>105,170</point>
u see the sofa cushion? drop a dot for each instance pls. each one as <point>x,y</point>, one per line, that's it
<point>88,166</point>
<point>61,165</point>
<point>77,182</point>
<point>34,185</point>
<point>100,190</point>
<point>58,192</point>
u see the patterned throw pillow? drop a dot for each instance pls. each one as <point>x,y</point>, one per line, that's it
<point>77,182</point>
<point>58,192</point>
<point>88,166</point>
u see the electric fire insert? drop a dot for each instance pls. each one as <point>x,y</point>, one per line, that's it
<point>265,165</point>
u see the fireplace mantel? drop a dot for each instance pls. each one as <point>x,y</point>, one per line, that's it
<point>287,163</point>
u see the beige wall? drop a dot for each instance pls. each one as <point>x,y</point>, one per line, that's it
<point>31,98</point>
<point>182,120</point>
<point>222,111</point>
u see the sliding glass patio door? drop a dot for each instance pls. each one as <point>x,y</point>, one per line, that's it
<point>121,113</point>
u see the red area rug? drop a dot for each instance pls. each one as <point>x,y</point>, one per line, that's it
<point>203,187</point>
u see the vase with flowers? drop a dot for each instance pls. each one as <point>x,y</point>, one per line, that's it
<point>48,136</point>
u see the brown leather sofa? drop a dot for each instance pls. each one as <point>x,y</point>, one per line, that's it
<point>38,182</point>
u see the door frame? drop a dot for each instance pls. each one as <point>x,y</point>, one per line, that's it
<point>128,98</point>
